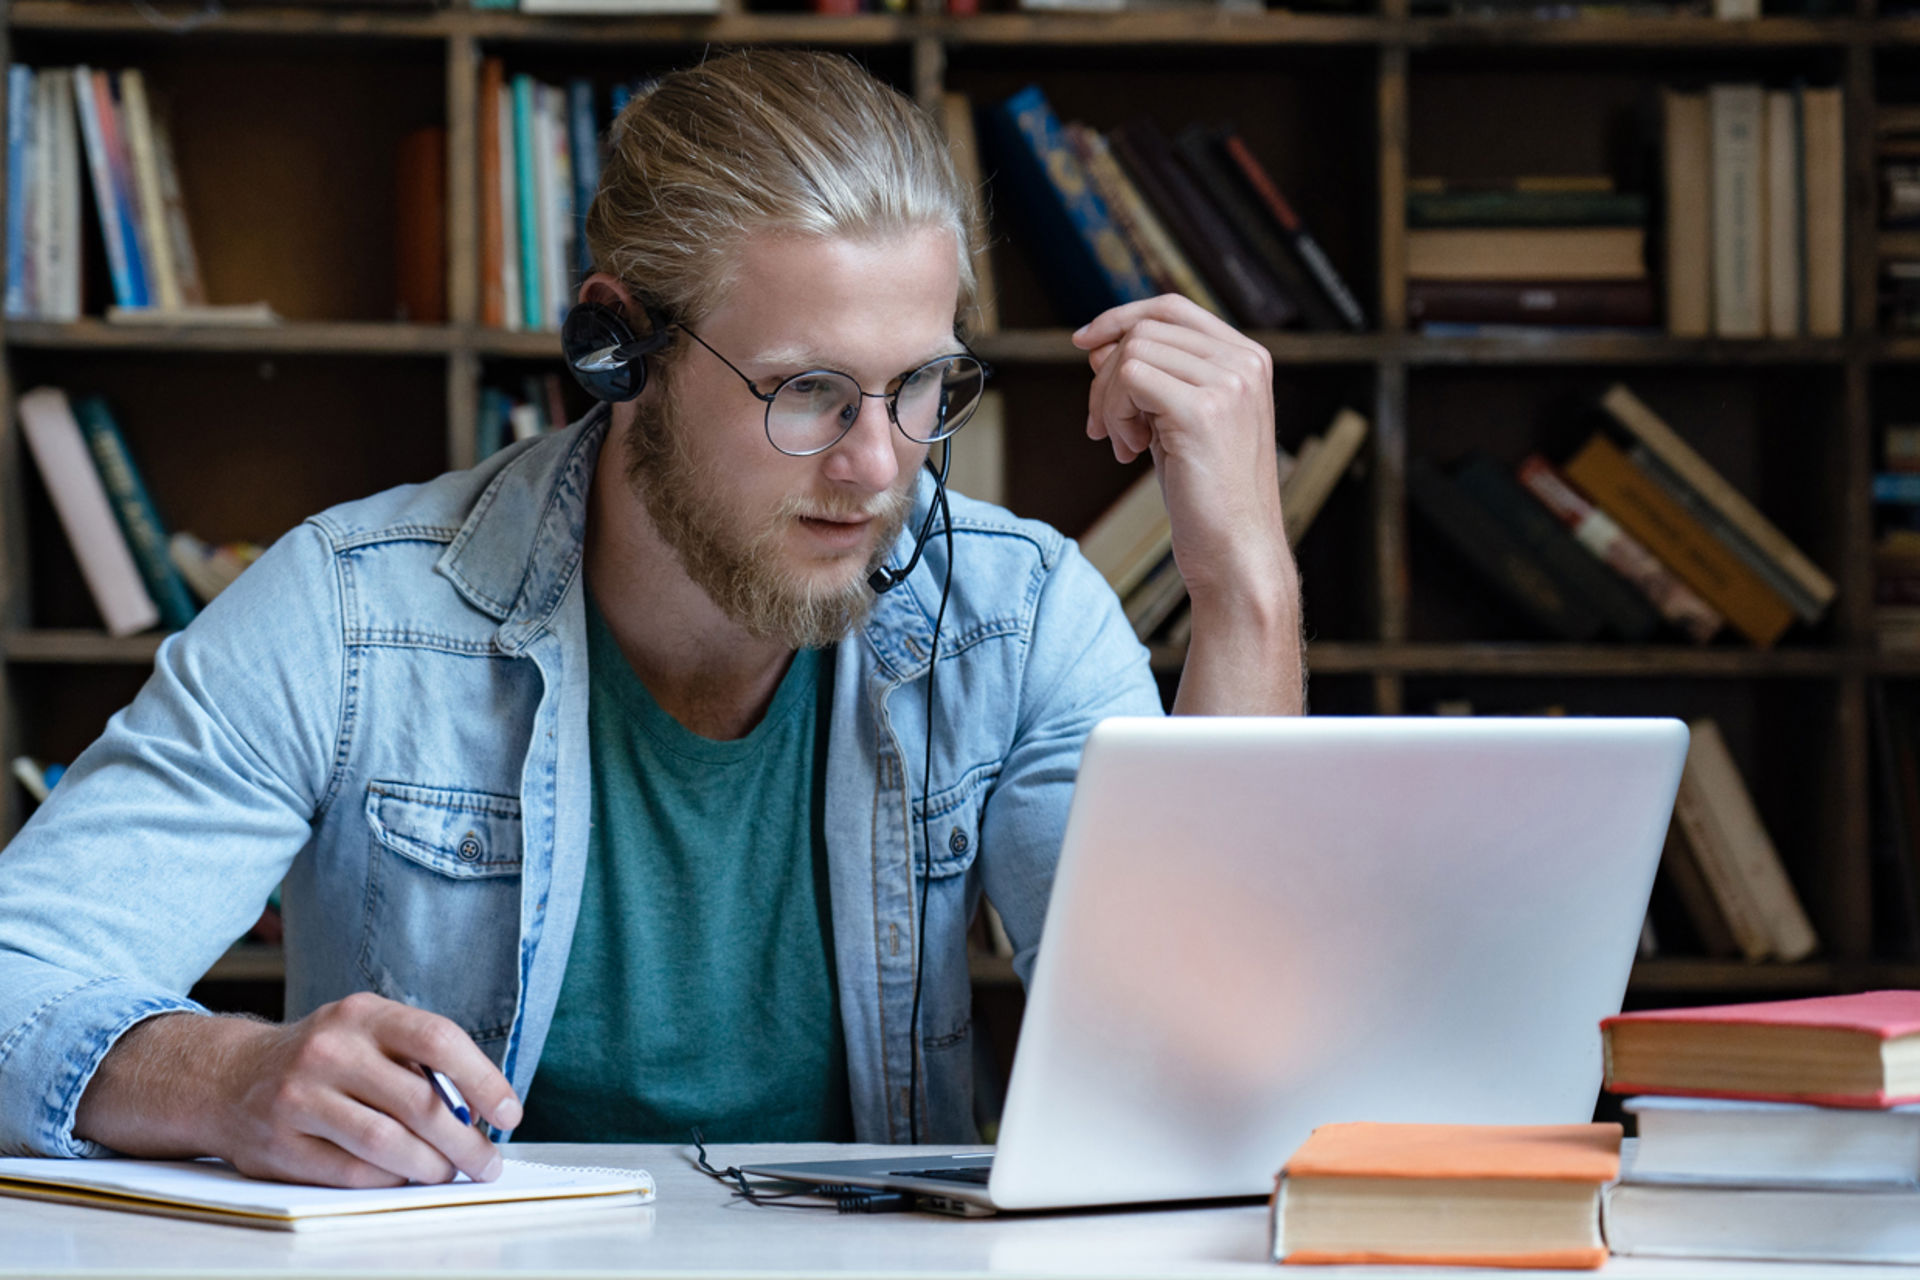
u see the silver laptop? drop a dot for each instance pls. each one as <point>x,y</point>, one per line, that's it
<point>1263,925</point>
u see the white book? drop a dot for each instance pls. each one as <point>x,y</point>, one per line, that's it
<point>63,252</point>
<point>510,213</point>
<point>1737,113</point>
<point>1736,10</point>
<point>214,1191</point>
<point>1738,1141</point>
<point>186,262</point>
<point>80,499</point>
<point>1798,1224</point>
<point>152,207</point>
<point>1785,216</point>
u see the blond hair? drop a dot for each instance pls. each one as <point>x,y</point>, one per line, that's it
<point>766,140</point>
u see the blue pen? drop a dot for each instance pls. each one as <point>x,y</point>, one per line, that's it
<point>450,1094</point>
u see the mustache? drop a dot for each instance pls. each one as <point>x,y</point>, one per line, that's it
<point>880,507</point>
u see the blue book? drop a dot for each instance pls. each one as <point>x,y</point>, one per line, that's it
<point>86,104</point>
<point>585,140</point>
<point>19,132</point>
<point>490,435</point>
<point>113,126</point>
<point>1901,487</point>
<point>1072,240</point>
<point>533,292</point>
<point>133,508</point>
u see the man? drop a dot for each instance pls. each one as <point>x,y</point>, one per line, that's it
<point>594,775</point>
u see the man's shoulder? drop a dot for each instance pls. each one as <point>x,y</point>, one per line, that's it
<point>432,511</point>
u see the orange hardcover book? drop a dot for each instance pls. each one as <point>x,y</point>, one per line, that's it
<point>493,295</point>
<point>1839,1051</point>
<point>1446,1194</point>
<point>1637,503</point>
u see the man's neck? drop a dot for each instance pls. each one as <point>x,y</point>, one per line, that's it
<point>700,666</point>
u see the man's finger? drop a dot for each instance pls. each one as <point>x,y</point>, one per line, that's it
<point>1174,308</point>
<point>418,1038</point>
<point>373,1134</point>
<point>405,1094</point>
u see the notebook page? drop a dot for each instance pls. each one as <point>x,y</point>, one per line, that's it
<point>213,1184</point>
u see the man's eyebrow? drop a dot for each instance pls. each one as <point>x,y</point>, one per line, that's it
<point>813,358</point>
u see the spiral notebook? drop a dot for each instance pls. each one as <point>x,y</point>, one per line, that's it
<point>214,1191</point>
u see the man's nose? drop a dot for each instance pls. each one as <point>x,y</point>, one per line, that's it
<point>865,455</point>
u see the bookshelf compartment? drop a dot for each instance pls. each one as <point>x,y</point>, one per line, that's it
<point>235,447</point>
<point>288,158</point>
<point>1776,435</point>
<point>62,709</point>
<point>540,391</point>
<point>1308,116</point>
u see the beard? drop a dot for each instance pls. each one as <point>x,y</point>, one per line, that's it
<point>738,561</point>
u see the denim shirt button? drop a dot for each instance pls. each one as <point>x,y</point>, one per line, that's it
<point>957,842</point>
<point>470,848</point>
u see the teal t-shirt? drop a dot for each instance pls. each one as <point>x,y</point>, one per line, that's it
<point>700,986</point>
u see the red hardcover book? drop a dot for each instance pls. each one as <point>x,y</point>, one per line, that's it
<point>1840,1051</point>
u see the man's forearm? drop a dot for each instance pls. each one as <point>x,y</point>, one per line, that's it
<point>158,1091</point>
<point>1247,654</point>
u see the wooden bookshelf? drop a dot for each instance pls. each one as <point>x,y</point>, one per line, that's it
<point>244,431</point>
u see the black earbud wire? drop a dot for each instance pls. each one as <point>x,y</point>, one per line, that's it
<point>926,781</point>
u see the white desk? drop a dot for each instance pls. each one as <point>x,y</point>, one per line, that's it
<point>692,1231</point>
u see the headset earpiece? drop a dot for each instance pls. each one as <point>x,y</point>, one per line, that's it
<point>603,353</point>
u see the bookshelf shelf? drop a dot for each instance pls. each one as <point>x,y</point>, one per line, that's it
<point>1546,347</point>
<point>1631,33</point>
<point>303,338</point>
<point>280,22</point>
<point>78,648</point>
<point>1199,27</point>
<point>1527,660</point>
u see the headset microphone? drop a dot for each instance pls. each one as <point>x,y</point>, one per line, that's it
<point>883,580</point>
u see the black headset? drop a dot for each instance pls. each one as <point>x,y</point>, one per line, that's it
<point>611,363</point>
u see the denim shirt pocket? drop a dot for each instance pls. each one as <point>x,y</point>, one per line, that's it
<point>443,902</point>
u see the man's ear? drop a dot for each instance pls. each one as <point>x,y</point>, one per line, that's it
<point>609,290</point>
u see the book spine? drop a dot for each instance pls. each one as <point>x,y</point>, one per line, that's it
<point>1678,603</point>
<point>1499,557</point>
<point>493,306</point>
<point>1036,125</point>
<point>1298,238</point>
<point>152,204</point>
<point>186,263</point>
<point>1527,253</point>
<point>584,161</point>
<point>1739,167</point>
<point>1101,174</point>
<point>43,211</point>
<point>1694,816</point>
<point>1702,561</point>
<point>1697,899</point>
<point>104,203</point>
<point>1756,861</point>
<point>526,157</point>
<point>133,507</point>
<point>125,198</point>
<point>512,292</point>
<point>1199,150</point>
<point>1782,220</point>
<point>1592,302</point>
<point>1824,142</point>
<point>61,248</point>
<point>1181,275</point>
<point>80,500</point>
<point>1689,219</point>
<point>1526,209</point>
<point>1720,527</point>
<point>20,130</point>
<point>1579,574</point>
<point>1148,158</point>
<point>556,205</point>
<point>1309,482</point>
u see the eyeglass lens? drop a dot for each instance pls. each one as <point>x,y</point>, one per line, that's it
<point>813,410</point>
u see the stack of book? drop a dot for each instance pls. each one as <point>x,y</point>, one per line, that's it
<point>1755,212</point>
<point>1535,251</point>
<point>540,151</point>
<point>138,576</point>
<point>1783,1130</point>
<point>1131,544</point>
<point>1633,533</point>
<point>1897,129</point>
<point>1109,218</point>
<point>1453,1195</point>
<point>66,122</point>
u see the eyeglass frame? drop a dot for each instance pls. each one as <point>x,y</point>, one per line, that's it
<point>891,397</point>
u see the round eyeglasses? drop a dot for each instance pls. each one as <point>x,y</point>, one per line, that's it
<point>809,412</point>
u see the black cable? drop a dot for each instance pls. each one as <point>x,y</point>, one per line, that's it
<point>926,836</point>
<point>841,1198</point>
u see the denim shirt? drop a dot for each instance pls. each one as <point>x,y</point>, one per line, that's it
<point>387,715</point>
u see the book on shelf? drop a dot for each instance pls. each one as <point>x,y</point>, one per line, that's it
<point>1160,254</point>
<point>38,779</point>
<point>86,512</point>
<point>1823,148</point>
<point>208,569</point>
<point>1620,551</point>
<point>1625,612</point>
<point>1744,1141</point>
<point>1527,253</point>
<point>1318,466</point>
<point>1569,303</point>
<point>1228,267</point>
<point>1860,1050</point>
<point>608,8</point>
<point>225,315</point>
<point>20,159</point>
<point>1737,116</point>
<point>1735,520</point>
<point>1201,149</point>
<point>1680,869</point>
<point>1305,246</point>
<point>963,140</point>
<point>979,467</point>
<point>1456,1195</point>
<point>133,507</point>
<point>1687,167</point>
<point>1498,556</point>
<point>1608,477</point>
<point>1785,215</point>
<point>214,1191</point>
<point>1513,206</point>
<point>1072,241</point>
<point>1132,536</point>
